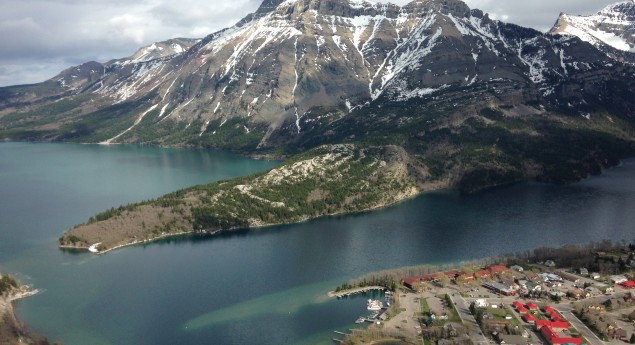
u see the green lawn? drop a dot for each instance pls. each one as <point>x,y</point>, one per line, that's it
<point>425,308</point>
<point>499,315</point>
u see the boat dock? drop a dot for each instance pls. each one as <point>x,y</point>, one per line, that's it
<point>342,334</point>
<point>344,293</point>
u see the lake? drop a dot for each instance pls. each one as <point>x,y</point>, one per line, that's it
<point>262,286</point>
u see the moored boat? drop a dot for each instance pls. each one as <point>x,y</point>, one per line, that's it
<point>374,305</point>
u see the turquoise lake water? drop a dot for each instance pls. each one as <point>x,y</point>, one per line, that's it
<point>263,286</point>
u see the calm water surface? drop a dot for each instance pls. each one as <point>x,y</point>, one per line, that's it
<point>263,286</point>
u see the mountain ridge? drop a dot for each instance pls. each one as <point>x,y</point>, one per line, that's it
<point>295,75</point>
<point>360,51</point>
<point>453,98</point>
<point>613,26</point>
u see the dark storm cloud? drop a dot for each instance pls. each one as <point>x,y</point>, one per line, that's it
<point>39,38</point>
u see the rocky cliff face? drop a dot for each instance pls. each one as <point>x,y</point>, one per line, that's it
<point>294,67</point>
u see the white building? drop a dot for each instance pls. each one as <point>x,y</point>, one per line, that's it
<point>618,279</point>
<point>480,303</point>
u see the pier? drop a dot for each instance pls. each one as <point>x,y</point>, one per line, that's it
<point>343,293</point>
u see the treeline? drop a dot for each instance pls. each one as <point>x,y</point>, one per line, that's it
<point>110,213</point>
<point>604,257</point>
<point>7,284</point>
<point>393,277</point>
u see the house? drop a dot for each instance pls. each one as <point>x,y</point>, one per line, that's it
<point>509,283</point>
<point>618,279</point>
<point>497,269</point>
<point>575,293</point>
<point>557,295</point>
<point>594,276</point>
<point>569,276</point>
<point>517,304</point>
<point>629,284</point>
<point>531,306</point>
<point>592,291</point>
<point>549,277</point>
<point>555,325</point>
<point>521,310</point>
<point>548,310</point>
<point>482,274</point>
<point>517,268</point>
<point>531,286</point>
<point>553,338</point>
<point>608,290</point>
<point>550,263</point>
<point>452,274</point>
<point>555,317</point>
<point>529,318</point>
<point>499,288</point>
<point>480,303</point>
<point>465,277</point>
<point>414,281</point>
<point>583,271</point>
<point>618,333</point>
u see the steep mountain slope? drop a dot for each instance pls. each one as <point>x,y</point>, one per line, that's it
<point>475,102</point>
<point>613,26</point>
<point>297,65</point>
<point>431,95</point>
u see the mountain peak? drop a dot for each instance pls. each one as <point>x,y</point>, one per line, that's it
<point>614,26</point>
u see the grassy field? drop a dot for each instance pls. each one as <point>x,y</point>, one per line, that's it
<point>500,313</point>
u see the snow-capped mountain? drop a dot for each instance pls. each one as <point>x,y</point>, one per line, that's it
<point>614,26</point>
<point>293,67</point>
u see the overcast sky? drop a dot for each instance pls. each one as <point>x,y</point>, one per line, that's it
<point>39,38</point>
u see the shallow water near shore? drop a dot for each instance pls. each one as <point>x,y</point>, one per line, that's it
<point>263,286</point>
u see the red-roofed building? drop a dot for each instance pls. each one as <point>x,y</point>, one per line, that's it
<point>553,338</point>
<point>497,268</point>
<point>557,325</point>
<point>521,310</point>
<point>629,284</point>
<point>482,274</point>
<point>517,304</point>
<point>466,276</point>
<point>529,318</point>
<point>531,306</point>
<point>556,317</point>
<point>452,274</point>
<point>548,310</point>
<point>411,281</point>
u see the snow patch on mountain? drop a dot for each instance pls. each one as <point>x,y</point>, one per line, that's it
<point>614,25</point>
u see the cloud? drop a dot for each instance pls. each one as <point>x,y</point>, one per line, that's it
<point>41,36</point>
<point>129,26</point>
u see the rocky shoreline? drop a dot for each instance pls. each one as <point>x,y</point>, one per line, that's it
<point>12,331</point>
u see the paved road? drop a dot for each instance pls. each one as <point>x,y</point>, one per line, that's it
<point>468,319</point>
